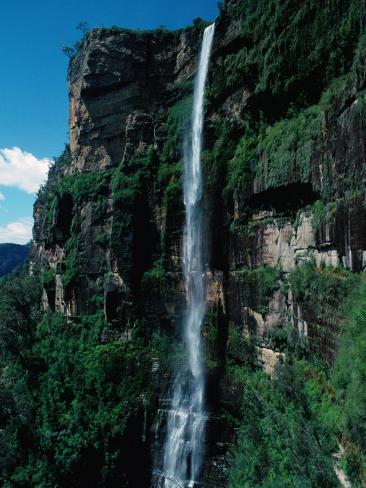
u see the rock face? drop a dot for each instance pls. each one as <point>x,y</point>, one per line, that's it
<point>108,228</point>
<point>118,92</point>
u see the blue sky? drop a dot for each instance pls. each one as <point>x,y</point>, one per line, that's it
<point>33,90</point>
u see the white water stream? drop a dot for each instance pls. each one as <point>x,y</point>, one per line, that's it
<point>184,444</point>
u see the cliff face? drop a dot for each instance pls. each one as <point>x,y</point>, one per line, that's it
<point>284,189</point>
<point>121,85</point>
<point>300,199</point>
<point>118,87</point>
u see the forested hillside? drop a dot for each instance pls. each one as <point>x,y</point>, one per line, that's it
<point>11,256</point>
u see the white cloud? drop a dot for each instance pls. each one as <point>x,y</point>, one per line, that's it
<point>2,196</point>
<point>22,169</point>
<point>19,232</point>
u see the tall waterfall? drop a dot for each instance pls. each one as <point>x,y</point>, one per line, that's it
<point>183,450</point>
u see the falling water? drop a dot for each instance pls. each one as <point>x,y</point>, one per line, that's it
<point>183,450</point>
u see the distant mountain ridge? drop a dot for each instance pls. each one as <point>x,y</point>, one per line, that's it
<point>11,255</point>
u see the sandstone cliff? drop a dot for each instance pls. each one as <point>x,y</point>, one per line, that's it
<point>284,190</point>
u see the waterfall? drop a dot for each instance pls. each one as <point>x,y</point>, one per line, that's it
<point>184,443</point>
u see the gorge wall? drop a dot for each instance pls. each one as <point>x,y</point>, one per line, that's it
<point>284,196</point>
<point>297,195</point>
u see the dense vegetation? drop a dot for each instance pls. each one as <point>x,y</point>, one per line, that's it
<point>302,62</point>
<point>290,50</point>
<point>282,422</point>
<point>308,408</point>
<point>349,378</point>
<point>70,392</point>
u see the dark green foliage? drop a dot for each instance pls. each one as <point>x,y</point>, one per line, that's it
<point>284,153</point>
<point>170,168</point>
<point>84,186</point>
<point>292,53</point>
<point>103,240</point>
<point>323,292</point>
<point>290,425</point>
<point>359,62</point>
<point>70,271</point>
<point>214,336</point>
<point>350,380</point>
<point>19,313</point>
<point>276,156</point>
<point>74,189</point>
<point>258,285</point>
<point>200,24</point>
<point>319,213</point>
<point>169,181</point>
<point>241,347</point>
<point>132,178</point>
<point>291,48</point>
<point>154,278</point>
<point>177,123</point>
<point>68,401</point>
<point>240,167</point>
<point>133,185</point>
<point>78,187</point>
<point>215,161</point>
<point>88,392</point>
<point>337,94</point>
<point>180,90</point>
<point>285,429</point>
<point>47,277</point>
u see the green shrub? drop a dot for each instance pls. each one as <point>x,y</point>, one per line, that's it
<point>258,286</point>
<point>102,239</point>
<point>291,49</point>
<point>286,149</point>
<point>319,213</point>
<point>323,291</point>
<point>71,262</point>
<point>132,178</point>
<point>282,440</point>
<point>338,93</point>
<point>240,347</point>
<point>241,165</point>
<point>86,185</point>
<point>178,119</point>
<point>154,276</point>
<point>350,379</point>
<point>48,277</point>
